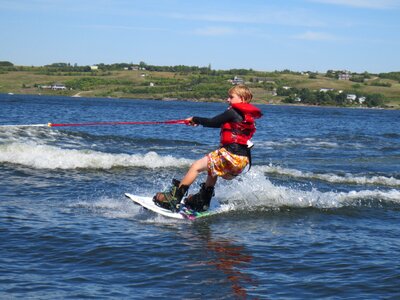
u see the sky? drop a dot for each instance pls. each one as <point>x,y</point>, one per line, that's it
<point>299,35</point>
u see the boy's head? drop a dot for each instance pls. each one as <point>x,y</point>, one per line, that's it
<point>242,91</point>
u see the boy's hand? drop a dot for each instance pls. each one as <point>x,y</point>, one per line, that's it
<point>189,121</point>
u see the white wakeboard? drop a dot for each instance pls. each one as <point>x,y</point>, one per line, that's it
<point>183,213</point>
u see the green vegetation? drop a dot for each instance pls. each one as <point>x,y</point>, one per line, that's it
<point>6,64</point>
<point>145,81</point>
<point>307,96</point>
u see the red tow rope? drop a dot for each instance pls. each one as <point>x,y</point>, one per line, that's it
<point>120,123</point>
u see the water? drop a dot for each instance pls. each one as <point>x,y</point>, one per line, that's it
<point>317,216</point>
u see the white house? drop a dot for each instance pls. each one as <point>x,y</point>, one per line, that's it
<point>326,90</point>
<point>345,75</point>
<point>58,87</point>
<point>237,80</point>
<point>351,97</point>
<point>361,100</point>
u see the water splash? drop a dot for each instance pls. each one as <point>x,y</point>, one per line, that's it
<point>51,157</point>
<point>254,191</point>
<point>330,177</point>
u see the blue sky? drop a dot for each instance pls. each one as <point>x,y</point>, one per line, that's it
<point>299,35</point>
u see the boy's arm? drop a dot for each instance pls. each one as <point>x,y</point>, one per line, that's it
<point>229,115</point>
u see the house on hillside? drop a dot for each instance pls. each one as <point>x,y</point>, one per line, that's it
<point>351,97</point>
<point>58,87</point>
<point>326,90</point>
<point>344,75</point>
<point>361,100</point>
<point>236,80</point>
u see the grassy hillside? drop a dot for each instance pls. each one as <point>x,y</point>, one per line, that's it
<point>199,86</point>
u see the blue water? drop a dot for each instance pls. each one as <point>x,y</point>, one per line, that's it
<point>317,216</point>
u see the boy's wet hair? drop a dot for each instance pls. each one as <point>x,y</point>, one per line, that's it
<point>242,91</point>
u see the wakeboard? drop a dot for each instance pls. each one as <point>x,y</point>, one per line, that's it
<point>183,213</point>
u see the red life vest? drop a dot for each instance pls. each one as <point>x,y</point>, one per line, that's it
<point>240,132</point>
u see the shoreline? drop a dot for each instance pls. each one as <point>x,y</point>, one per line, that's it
<point>79,95</point>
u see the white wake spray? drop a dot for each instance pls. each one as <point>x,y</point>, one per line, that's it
<point>254,191</point>
<point>50,157</point>
<point>329,177</point>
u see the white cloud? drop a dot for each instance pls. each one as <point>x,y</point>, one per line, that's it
<point>214,31</point>
<point>374,4</point>
<point>315,36</point>
<point>121,27</point>
<point>277,17</point>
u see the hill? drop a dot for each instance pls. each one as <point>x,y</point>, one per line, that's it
<point>202,84</point>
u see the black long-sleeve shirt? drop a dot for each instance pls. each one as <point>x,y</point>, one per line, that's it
<point>230,115</point>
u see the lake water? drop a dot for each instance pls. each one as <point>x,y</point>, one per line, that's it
<point>317,216</point>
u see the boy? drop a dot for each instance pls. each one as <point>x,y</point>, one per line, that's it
<point>237,127</point>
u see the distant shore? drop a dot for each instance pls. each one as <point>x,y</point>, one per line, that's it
<point>204,85</point>
<point>79,95</point>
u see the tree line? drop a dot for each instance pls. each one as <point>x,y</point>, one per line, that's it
<point>205,70</point>
<point>307,96</point>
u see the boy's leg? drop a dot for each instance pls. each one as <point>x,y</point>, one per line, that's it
<point>211,181</point>
<point>201,200</point>
<point>194,170</point>
<point>171,199</point>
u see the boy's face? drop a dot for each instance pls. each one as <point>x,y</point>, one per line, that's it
<point>234,98</point>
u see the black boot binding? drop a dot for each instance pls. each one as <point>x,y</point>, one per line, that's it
<point>171,199</point>
<point>200,201</point>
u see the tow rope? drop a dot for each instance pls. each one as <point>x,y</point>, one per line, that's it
<point>101,123</point>
<point>120,123</point>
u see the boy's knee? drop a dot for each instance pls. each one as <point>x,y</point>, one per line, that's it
<point>200,164</point>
